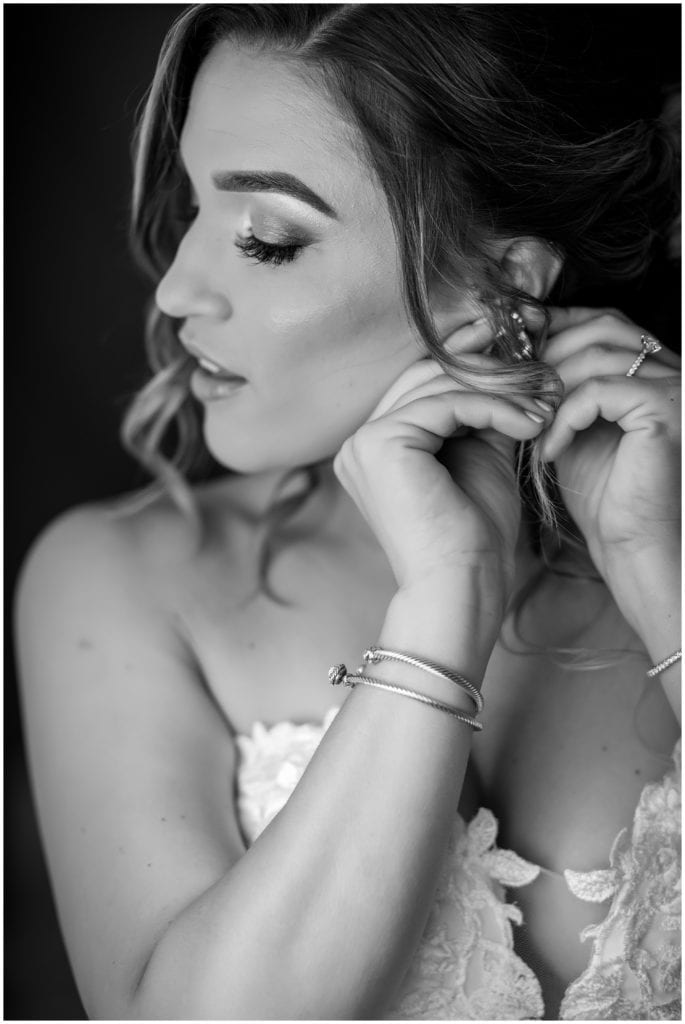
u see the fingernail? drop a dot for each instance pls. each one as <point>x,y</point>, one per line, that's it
<point>534,416</point>
<point>544,405</point>
<point>481,320</point>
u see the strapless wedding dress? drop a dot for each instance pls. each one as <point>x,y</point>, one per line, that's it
<point>465,967</point>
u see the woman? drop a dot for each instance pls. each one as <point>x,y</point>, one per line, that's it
<point>355,217</point>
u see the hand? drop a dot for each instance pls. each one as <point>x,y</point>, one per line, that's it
<point>456,515</point>
<point>615,440</point>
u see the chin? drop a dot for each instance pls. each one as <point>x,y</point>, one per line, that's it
<point>266,454</point>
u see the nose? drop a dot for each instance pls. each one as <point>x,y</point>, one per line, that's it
<point>187,288</point>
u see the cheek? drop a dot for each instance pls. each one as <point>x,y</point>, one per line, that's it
<point>337,327</point>
<point>322,354</point>
<point>337,358</point>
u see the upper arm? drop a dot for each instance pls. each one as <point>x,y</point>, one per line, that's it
<point>130,761</point>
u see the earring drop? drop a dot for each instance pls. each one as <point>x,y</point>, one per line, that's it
<point>522,336</point>
<point>516,326</point>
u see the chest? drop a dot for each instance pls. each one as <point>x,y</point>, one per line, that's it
<point>546,725</point>
<point>567,755</point>
<point>563,755</point>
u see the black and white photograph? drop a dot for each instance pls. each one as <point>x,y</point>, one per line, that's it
<point>342,511</point>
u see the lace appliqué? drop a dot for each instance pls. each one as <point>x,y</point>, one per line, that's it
<point>465,967</point>
<point>634,971</point>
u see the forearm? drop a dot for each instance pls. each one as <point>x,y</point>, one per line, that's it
<point>320,918</point>
<point>647,589</point>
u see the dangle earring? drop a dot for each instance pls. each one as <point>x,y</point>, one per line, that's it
<point>513,339</point>
<point>526,350</point>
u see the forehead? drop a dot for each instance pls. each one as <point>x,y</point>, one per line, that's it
<point>251,111</point>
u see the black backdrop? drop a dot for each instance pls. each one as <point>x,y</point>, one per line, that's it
<point>74,75</point>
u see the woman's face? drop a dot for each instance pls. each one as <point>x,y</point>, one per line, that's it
<point>288,276</point>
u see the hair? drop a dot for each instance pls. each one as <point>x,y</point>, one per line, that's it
<point>466,153</point>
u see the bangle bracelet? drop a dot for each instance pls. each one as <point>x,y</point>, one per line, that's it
<point>338,675</point>
<point>375,654</point>
<point>662,665</point>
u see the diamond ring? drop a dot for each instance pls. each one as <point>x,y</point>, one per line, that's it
<point>649,346</point>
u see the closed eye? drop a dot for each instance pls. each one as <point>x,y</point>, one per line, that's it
<point>187,208</point>
<point>254,248</point>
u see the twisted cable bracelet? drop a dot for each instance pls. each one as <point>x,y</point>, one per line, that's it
<point>375,654</point>
<point>338,675</point>
<point>661,666</point>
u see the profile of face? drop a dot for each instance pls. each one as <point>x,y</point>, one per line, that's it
<point>288,276</point>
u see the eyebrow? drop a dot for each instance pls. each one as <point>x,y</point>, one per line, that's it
<point>271,181</point>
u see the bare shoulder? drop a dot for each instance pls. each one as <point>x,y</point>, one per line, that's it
<point>131,760</point>
<point>141,543</point>
<point>105,541</point>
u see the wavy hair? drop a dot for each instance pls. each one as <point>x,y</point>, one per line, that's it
<point>466,153</point>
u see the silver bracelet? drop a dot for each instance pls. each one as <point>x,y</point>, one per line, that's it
<point>338,675</point>
<point>662,665</point>
<point>375,654</point>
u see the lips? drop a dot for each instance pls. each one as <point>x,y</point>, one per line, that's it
<point>209,366</point>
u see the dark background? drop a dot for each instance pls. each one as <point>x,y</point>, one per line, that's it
<point>74,75</point>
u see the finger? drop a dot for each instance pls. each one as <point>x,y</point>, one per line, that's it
<point>605,329</point>
<point>472,337</point>
<point>420,372</point>
<point>430,420</point>
<point>437,385</point>
<point>605,360</point>
<point>563,317</point>
<point>442,384</point>
<point>632,404</point>
<point>475,361</point>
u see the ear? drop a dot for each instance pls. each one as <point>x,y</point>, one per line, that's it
<point>531,265</point>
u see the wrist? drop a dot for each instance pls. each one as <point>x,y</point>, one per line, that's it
<point>483,584</point>
<point>453,626</point>
<point>646,586</point>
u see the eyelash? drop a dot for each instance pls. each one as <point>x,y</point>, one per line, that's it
<point>250,247</point>
<point>254,248</point>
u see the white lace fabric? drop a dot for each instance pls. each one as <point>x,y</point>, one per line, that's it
<point>465,967</point>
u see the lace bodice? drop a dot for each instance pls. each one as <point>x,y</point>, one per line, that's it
<point>465,967</point>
